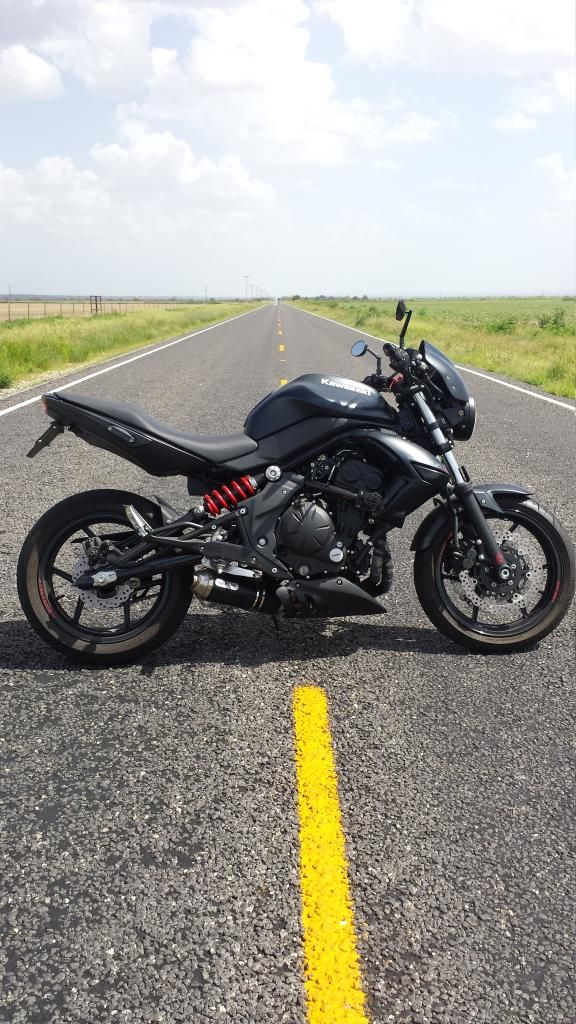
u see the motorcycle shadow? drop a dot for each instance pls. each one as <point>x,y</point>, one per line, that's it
<point>222,637</point>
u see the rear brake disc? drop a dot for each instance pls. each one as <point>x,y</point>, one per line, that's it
<point>104,601</point>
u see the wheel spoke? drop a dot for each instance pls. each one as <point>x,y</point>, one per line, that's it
<point>88,531</point>
<point>475,611</point>
<point>145,596</point>
<point>127,622</point>
<point>78,611</point>
<point>63,575</point>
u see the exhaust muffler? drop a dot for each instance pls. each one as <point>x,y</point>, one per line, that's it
<point>235,587</point>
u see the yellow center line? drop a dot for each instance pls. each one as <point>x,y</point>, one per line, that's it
<point>334,993</point>
<point>281,348</point>
<point>283,381</point>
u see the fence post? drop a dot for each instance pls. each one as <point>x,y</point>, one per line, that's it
<point>28,316</point>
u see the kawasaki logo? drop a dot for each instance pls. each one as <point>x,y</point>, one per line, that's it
<point>359,389</point>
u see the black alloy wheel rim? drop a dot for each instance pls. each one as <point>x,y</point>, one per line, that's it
<point>71,624</point>
<point>516,627</point>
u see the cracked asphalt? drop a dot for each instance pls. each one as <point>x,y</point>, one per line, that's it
<point>149,843</point>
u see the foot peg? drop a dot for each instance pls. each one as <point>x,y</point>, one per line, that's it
<point>137,521</point>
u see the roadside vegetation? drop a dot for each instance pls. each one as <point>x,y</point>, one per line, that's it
<point>532,340</point>
<point>29,348</point>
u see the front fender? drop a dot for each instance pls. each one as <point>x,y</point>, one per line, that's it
<point>487,495</point>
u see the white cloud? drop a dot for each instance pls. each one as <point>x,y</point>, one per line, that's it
<point>54,194</point>
<point>448,35</point>
<point>509,37</point>
<point>247,77</point>
<point>237,97</point>
<point>30,21</point>
<point>515,122</point>
<point>564,83</point>
<point>419,217</point>
<point>107,47</point>
<point>348,230</point>
<point>159,162</point>
<point>150,182</point>
<point>25,75</point>
<point>562,178</point>
<point>452,185</point>
<point>546,96</point>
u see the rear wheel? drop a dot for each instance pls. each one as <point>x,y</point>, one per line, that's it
<point>109,625</point>
<point>470,607</point>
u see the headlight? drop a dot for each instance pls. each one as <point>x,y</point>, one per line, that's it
<point>464,428</point>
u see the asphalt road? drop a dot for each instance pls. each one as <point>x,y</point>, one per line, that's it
<point>149,860</point>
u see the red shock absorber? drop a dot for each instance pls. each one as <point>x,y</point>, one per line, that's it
<point>225,498</point>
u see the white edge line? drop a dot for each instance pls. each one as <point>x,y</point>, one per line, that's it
<point>486,376</point>
<point>142,355</point>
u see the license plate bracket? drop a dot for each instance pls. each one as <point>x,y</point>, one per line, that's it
<point>46,439</point>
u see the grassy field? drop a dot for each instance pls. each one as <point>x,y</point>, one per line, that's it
<point>31,348</point>
<point>22,309</point>
<point>532,340</point>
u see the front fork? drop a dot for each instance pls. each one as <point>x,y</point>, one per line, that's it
<point>464,491</point>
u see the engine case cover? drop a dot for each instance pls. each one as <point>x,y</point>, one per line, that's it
<point>307,530</point>
<point>357,475</point>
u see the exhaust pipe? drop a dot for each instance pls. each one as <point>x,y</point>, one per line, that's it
<point>235,587</point>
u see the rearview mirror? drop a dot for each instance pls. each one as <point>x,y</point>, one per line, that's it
<point>401,310</point>
<point>359,348</point>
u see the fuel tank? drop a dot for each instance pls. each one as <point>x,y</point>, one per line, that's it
<point>314,395</point>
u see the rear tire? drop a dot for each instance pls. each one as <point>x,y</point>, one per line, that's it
<point>47,616</point>
<point>517,635</point>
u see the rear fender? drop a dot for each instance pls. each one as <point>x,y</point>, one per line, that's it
<point>487,495</point>
<point>157,457</point>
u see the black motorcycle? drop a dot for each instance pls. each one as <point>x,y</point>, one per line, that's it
<point>292,518</point>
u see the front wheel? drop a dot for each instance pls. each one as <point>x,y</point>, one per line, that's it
<point>106,626</point>
<point>470,607</point>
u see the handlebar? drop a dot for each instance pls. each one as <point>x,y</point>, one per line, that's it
<point>408,369</point>
<point>397,357</point>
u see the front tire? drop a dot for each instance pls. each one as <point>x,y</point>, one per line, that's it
<point>115,626</point>
<point>461,606</point>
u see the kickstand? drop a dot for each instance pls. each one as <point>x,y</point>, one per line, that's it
<point>276,623</point>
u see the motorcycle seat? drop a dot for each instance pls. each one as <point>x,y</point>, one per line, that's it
<point>215,448</point>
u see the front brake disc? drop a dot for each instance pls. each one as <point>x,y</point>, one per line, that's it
<point>534,577</point>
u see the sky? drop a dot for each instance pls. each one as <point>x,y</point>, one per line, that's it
<point>350,147</point>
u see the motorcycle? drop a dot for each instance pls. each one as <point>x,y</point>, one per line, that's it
<point>291,518</point>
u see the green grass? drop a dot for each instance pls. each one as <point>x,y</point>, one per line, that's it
<point>29,348</point>
<point>532,340</point>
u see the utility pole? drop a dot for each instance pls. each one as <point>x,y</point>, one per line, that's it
<point>246,279</point>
